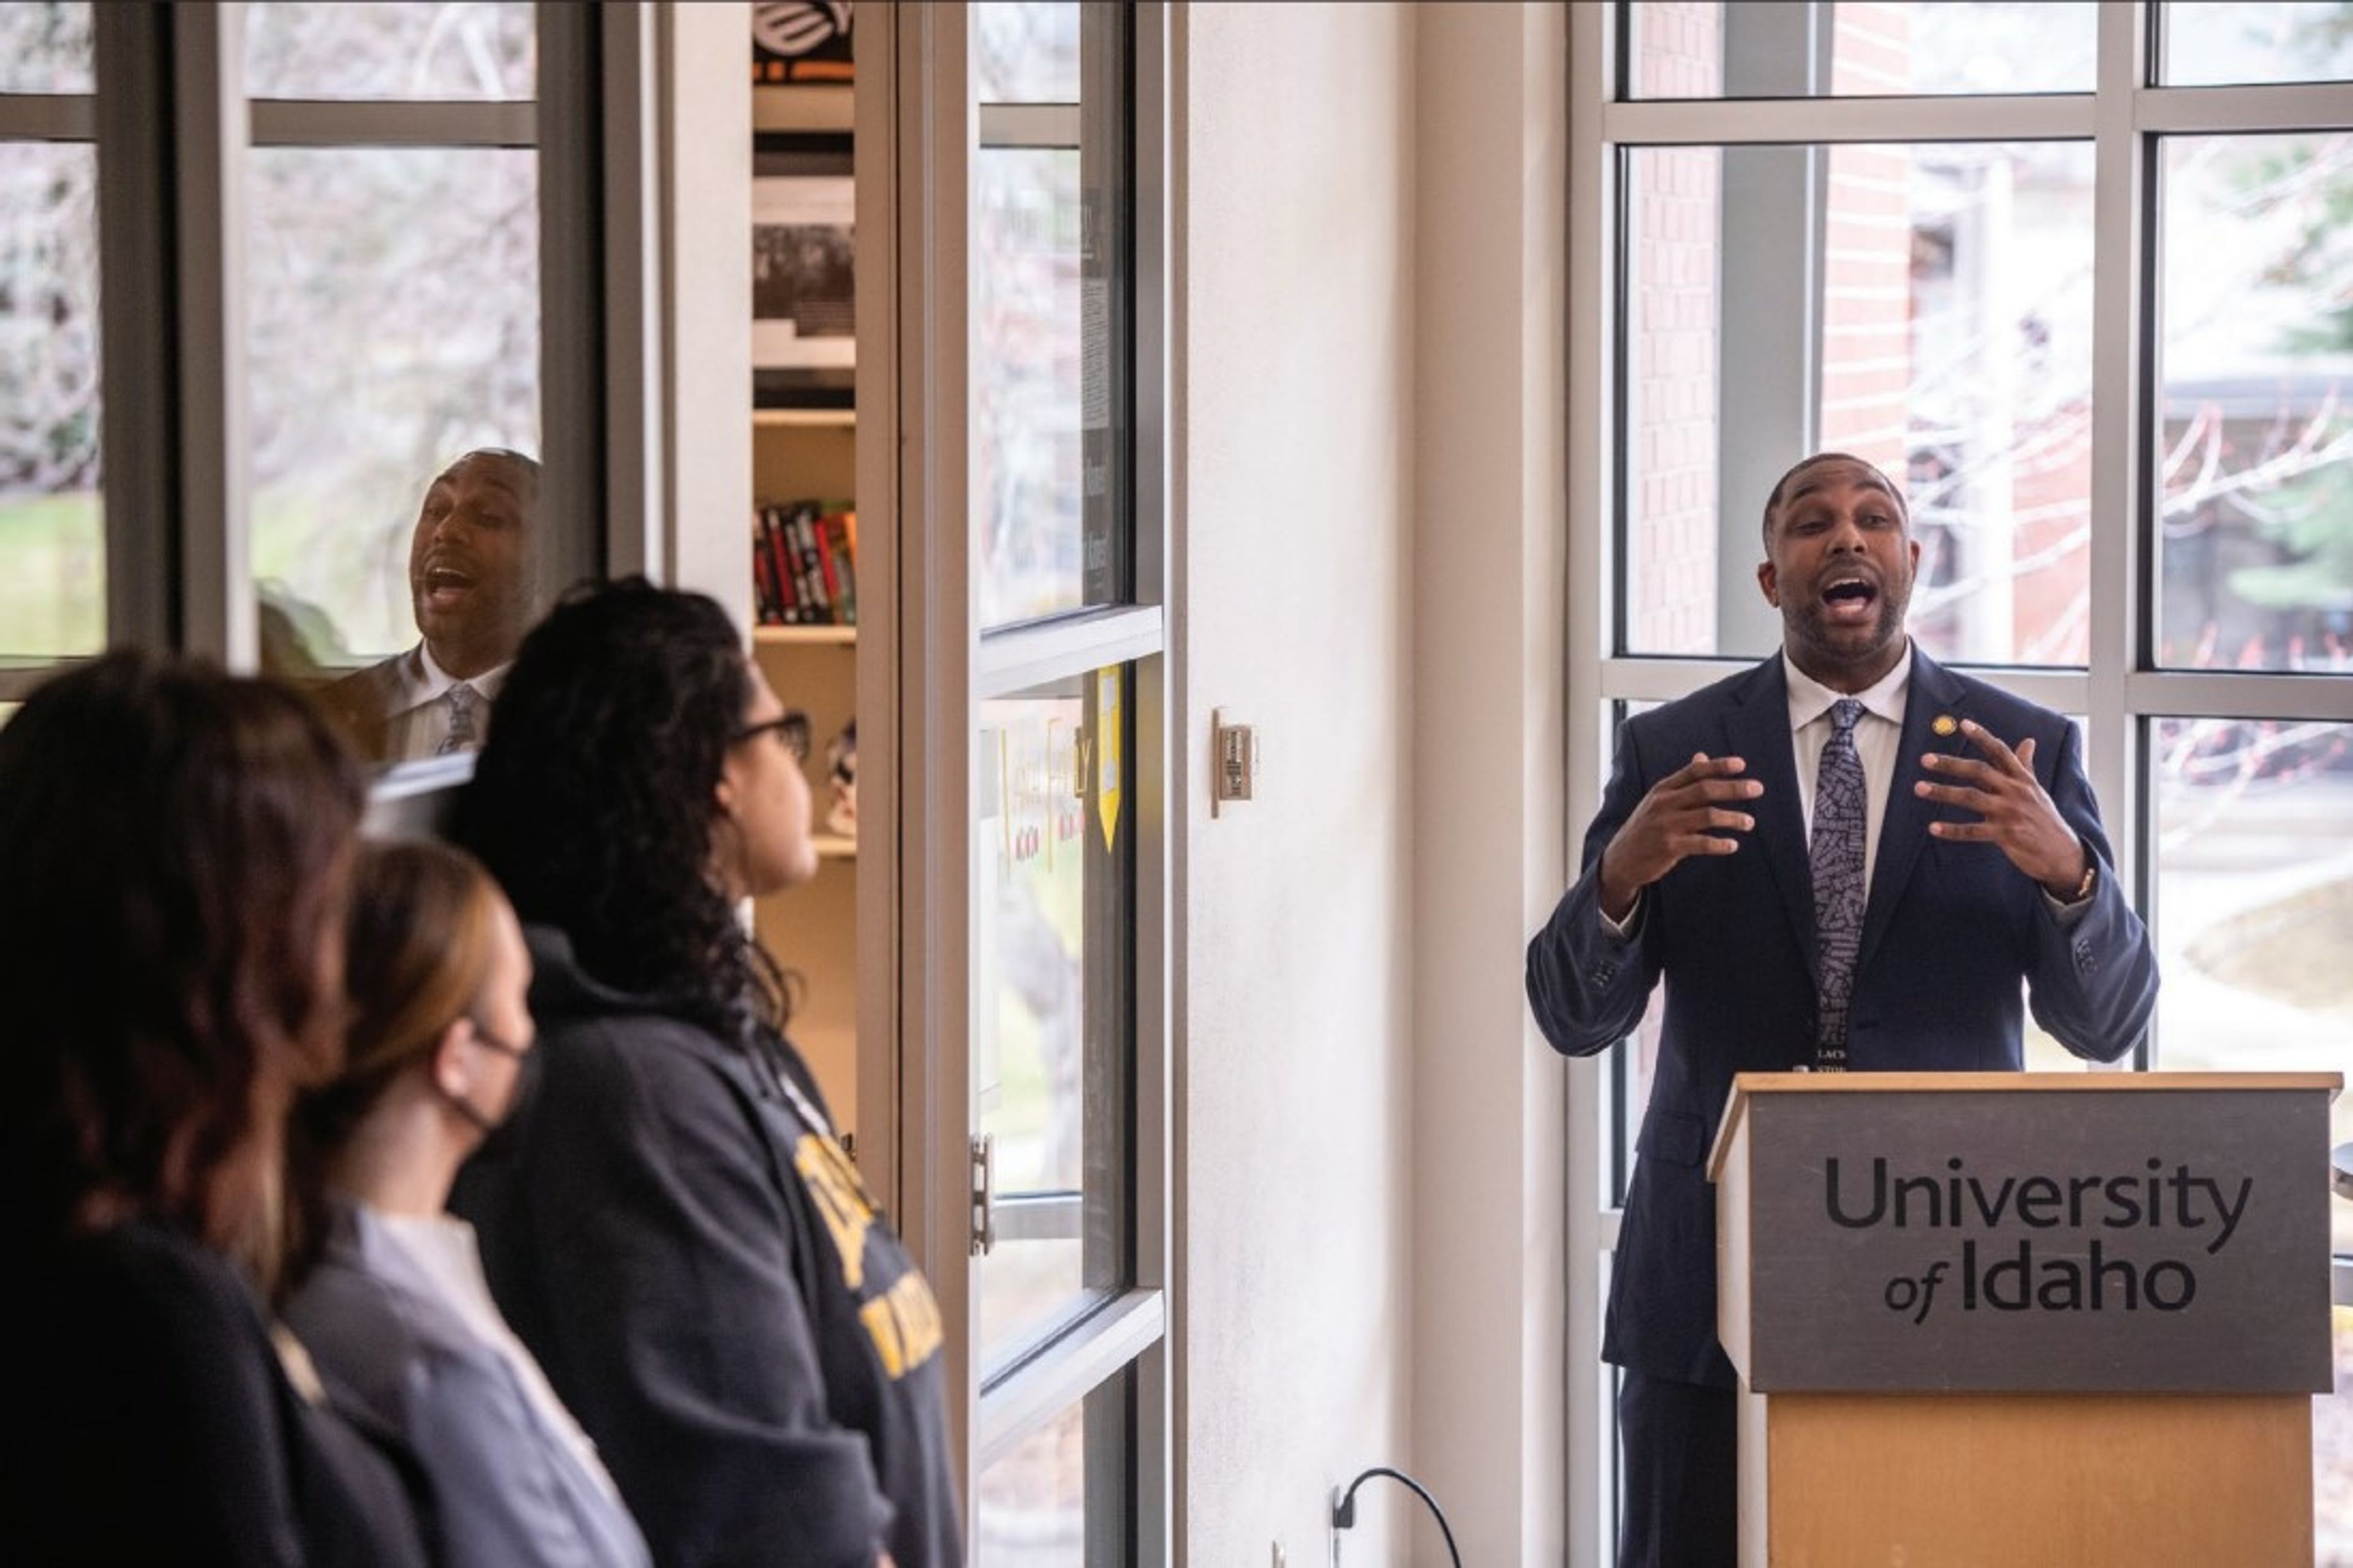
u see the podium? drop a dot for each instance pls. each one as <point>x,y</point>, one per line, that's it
<point>2025,1318</point>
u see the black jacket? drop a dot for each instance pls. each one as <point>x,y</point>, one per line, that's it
<point>155,1424</point>
<point>712,1293</point>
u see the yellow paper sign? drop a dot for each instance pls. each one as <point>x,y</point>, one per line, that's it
<point>1107,760</point>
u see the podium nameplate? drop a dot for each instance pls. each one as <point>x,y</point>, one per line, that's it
<point>1999,1241</point>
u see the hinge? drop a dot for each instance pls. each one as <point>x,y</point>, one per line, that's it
<point>983,1195</point>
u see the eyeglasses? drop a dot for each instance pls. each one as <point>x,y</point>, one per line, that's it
<point>792,728</point>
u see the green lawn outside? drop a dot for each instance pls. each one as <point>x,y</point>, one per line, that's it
<point>52,576</point>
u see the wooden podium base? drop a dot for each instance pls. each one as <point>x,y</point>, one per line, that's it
<point>2082,1480</point>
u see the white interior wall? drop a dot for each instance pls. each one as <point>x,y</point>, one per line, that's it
<point>1298,932</point>
<point>1487,1354</point>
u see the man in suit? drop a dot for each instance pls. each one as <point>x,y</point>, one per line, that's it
<point>472,580</point>
<point>1845,857</point>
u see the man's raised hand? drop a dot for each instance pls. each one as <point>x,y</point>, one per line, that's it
<point>1689,812</point>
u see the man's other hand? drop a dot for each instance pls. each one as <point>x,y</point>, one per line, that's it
<point>2017,814</point>
<point>1687,812</point>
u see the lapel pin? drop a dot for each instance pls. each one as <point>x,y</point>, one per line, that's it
<point>1944,724</point>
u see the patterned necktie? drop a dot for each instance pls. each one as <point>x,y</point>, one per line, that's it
<point>1836,856</point>
<point>462,701</point>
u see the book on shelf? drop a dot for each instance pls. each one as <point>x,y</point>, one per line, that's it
<point>805,564</point>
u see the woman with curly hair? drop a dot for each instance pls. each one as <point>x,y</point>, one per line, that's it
<point>176,845</point>
<point>671,1224</point>
<point>392,1301</point>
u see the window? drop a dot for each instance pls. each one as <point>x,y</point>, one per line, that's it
<point>2094,320</point>
<point>1033,464</point>
<point>52,516</point>
<point>1056,1031</point>
<point>394,290</point>
<point>329,234</point>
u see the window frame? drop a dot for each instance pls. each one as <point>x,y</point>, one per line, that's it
<point>173,125</point>
<point>920,127</point>
<point>2120,691</point>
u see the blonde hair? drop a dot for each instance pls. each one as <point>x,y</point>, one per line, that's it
<point>416,953</point>
<point>418,944</point>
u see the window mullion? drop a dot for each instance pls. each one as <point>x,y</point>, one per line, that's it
<point>175,413</point>
<point>593,345</point>
<point>39,117</point>
<point>363,123</point>
<point>218,615</point>
<point>2120,369</point>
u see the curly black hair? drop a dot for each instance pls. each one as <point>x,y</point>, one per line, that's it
<point>594,800</point>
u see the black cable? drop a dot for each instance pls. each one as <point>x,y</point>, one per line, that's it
<point>1344,1512</point>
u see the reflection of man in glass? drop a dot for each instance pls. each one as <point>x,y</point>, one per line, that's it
<point>470,578</point>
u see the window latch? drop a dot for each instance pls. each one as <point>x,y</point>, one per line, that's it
<point>983,1195</point>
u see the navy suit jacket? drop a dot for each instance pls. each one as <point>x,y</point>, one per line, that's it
<point>1953,935</point>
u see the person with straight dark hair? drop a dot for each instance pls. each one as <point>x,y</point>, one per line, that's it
<point>391,1300</point>
<point>175,847</point>
<point>671,1223</point>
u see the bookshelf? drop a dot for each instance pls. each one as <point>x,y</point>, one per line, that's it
<point>810,453</point>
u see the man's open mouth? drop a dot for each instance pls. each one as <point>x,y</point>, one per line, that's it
<point>446,586</point>
<point>1850,600</point>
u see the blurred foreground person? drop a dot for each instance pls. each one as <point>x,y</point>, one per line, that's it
<point>178,847</point>
<point>670,1223</point>
<point>393,1303</point>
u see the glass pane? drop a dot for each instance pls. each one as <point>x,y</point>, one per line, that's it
<point>1054,900</point>
<point>1051,313</point>
<point>2254,920</point>
<point>1062,1499</point>
<point>457,49</point>
<point>2254,458</point>
<point>52,525</point>
<point>1026,51</point>
<point>2254,900</point>
<point>394,315</point>
<point>46,48</point>
<point>1706,49</point>
<point>2207,45</point>
<point>1032,1509</point>
<point>1925,307</point>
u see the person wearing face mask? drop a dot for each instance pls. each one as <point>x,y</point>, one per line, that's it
<point>471,585</point>
<point>390,1299</point>
<point>1845,857</point>
<point>672,1223</point>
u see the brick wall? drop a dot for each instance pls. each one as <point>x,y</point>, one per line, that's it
<point>1672,431</point>
<point>1867,253</point>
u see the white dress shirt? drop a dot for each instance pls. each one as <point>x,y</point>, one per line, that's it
<point>416,718</point>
